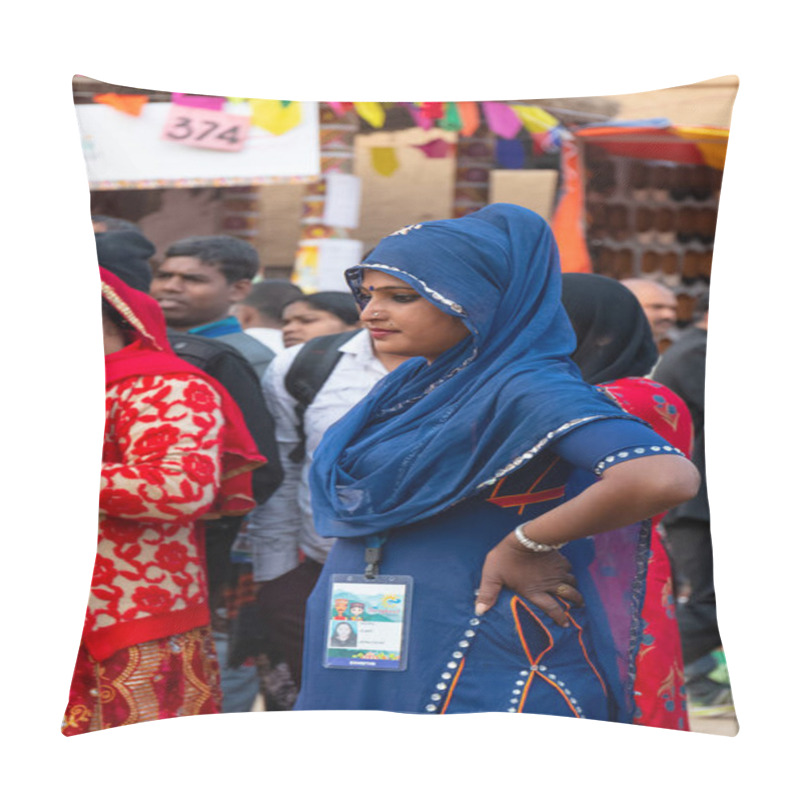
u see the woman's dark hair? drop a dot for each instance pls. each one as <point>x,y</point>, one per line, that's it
<point>351,639</point>
<point>340,304</point>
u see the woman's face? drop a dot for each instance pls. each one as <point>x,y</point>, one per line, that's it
<point>113,336</point>
<point>402,322</point>
<point>343,631</point>
<point>302,322</point>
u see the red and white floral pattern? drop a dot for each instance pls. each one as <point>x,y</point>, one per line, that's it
<point>161,472</point>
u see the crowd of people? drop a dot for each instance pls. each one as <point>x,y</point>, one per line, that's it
<point>468,484</point>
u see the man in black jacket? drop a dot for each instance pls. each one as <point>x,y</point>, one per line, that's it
<point>127,253</point>
<point>199,282</point>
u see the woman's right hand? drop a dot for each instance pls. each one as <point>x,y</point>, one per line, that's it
<point>536,577</point>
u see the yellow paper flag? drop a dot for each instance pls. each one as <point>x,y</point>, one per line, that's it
<point>535,119</point>
<point>384,160</point>
<point>274,117</point>
<point>371,113</point>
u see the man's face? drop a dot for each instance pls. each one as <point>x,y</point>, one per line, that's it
<point>193,293</point>
<point>660,307</point>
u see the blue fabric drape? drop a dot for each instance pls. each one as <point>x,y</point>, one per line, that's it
<point>429,436</point>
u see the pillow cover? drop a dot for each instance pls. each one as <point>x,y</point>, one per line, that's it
<point>311,187</point>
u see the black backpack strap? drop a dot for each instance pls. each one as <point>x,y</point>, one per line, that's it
<point>257,353</point>
<point>310,369</point>
<point>196,349</point>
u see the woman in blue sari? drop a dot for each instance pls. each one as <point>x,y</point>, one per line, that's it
<point>486,501</point>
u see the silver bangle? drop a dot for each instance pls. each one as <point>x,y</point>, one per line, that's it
<point>537,547</point>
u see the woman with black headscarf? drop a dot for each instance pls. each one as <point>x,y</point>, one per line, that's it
<point>615,348</point>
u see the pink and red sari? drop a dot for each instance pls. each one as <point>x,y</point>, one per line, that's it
<point>175,451</point>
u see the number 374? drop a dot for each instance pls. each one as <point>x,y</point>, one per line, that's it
<point>206,133</point>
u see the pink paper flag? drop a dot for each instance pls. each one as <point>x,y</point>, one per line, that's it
<point>438,148</point>
<point>501,119</point>
<point>420,120</point>
<point>198,101</point>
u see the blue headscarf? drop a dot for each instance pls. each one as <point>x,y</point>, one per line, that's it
<point>428,436</point>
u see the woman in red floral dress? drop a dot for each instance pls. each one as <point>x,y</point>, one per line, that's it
<point>615,348</point>
<point>175,450</point>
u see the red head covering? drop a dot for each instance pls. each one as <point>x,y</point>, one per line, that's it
<point>150,354</point>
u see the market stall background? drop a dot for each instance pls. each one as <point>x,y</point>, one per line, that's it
<point>630,183</point>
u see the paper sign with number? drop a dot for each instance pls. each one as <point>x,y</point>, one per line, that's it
<point>201,127</point>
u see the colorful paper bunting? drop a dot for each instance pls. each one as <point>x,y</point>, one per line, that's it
<point>340,109</point>
<point>432,111</point>
<point>470,117</point>
<point>501,119</point>
<point>274,117</point>
<point>420,120</point>
<point>198,101</point>
<point>437,148</point>
<point>128,103</point>
<point>535,119</point>
<point>372,113</point>
<point>384,160</point>
<point>451,121</point>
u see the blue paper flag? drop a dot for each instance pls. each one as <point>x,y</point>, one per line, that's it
<point>510,153</point>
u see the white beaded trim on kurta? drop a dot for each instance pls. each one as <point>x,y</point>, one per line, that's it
<point>516,693</point>
<point>615,458</point>
<point>435,699</point>
<point>439,298</point>
<point>528,454</point>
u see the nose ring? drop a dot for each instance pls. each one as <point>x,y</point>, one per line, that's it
<point>375,313</point>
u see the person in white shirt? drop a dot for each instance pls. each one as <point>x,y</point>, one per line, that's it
<point>282,529</point>
<point>259,313</point>
<point>318,314</point>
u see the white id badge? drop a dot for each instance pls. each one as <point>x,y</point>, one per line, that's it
<point>368,622</point>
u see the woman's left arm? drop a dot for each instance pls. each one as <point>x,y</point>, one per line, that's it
<point>627,492</point>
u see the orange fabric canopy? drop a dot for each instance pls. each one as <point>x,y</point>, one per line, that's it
<point>661,142</point>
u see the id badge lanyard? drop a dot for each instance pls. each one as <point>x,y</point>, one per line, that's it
<point>372,556</point>
<point>368,616</point>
